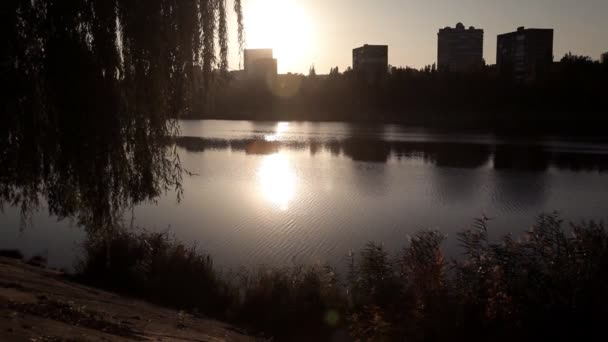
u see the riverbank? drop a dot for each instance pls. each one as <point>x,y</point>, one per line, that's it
<point>547,283</point>
<point>38,304</point>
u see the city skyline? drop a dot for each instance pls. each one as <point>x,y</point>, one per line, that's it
<point>322,33</point>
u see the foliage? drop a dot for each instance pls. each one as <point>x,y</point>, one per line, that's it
<point>297,303</point>
<point>156,267</point>
<point>89,92</point>
<point>548,283</point>
<point>573,91</point>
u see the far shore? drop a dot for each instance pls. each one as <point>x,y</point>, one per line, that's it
<point>592,129</point>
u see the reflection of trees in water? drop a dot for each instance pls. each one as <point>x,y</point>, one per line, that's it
<point>334,147</point>
<point>89,90</point>
<point>445,154</point>
<point>441,154</point>
<point>581,161</point>
<point>315,147</point>
<point>377,151</point>
<point>530,158</point>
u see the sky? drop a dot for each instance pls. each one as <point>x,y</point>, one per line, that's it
<point>324,32</point>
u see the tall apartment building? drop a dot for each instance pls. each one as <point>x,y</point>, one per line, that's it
<point>525,54</point>
<point>371,61</point>
<point>260,63</point>
<point>604,58</point>
<point>460,49</point>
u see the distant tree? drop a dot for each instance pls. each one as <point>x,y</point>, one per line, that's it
<point>579,68</point>
<point>312,72</point>
<point>573,59</point>
<point>429,69</point>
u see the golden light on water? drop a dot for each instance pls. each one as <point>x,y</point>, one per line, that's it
<point>282,127</point>
<point>283,25</point>
<point>277,180</point>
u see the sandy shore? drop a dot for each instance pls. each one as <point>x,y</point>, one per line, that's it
<point>38,304</point>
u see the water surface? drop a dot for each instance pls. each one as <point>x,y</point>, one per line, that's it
<point>279,193</point>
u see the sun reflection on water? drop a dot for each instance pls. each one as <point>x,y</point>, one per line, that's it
<point>277,180</point>
<point>282,127</point>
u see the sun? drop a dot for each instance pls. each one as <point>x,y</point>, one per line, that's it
<point>283,25</point>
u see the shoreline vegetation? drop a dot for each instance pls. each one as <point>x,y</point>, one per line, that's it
<point>549,282</point>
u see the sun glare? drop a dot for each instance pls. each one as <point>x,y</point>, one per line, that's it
<point>282,127</point>
<point>277,180</point>
<point>284,26</point>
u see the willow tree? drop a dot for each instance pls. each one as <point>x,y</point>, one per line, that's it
<point>90,92</point>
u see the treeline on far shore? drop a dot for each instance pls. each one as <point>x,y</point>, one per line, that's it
<point>574,91</point>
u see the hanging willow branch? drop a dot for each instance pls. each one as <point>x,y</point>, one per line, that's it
<point>90,91</point>
<point>240,27</point>
<point>223,35</point>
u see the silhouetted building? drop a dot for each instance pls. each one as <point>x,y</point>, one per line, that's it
<point>260,63</point>
<point>371,61</point>
<point>604,58</point>
<point>460,49</point>
<point>525,54</point>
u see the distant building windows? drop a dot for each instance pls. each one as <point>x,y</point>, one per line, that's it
<point>525,54</point>
<point>371,62</point>
<point>460,49</point>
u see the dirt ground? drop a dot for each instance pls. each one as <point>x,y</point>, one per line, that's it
<point>38,304</point>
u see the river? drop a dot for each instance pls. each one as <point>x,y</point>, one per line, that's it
<point>279,193</point>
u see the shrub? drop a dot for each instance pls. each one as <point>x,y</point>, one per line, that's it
<point>156,267</point>
<point>548,283</point>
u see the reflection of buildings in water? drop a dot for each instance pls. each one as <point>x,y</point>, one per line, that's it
<point>364,145</point>
<point>453,180</point>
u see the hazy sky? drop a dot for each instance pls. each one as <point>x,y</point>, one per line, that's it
<point>324,32</point>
